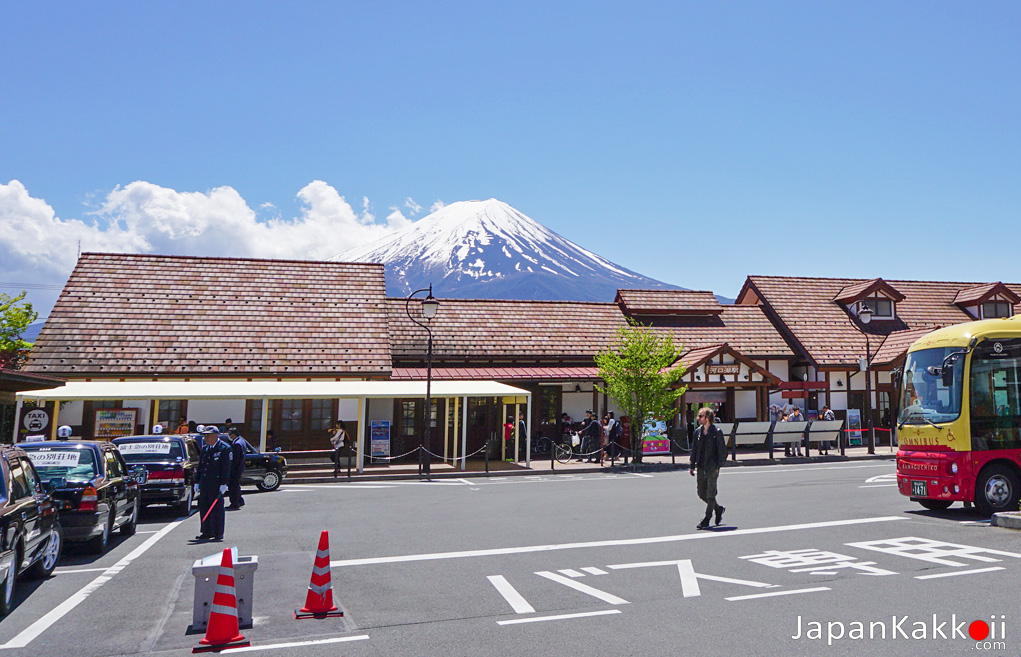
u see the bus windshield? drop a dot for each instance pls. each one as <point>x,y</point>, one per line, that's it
<point>924,398</point>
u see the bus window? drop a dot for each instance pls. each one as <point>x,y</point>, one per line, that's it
<point>996,395</point>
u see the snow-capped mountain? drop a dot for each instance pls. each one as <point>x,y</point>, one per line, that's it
<point>487,249</point>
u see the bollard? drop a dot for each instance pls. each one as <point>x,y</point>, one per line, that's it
<point>843,441</point>
<point>349,459</point>
<point>487,458</point>
<point>769,439</point>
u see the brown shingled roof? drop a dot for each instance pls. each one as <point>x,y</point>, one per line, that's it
<point>856,291</point>
<point>668,302</point>
<point>132,315</point>
<point>981,293</point>
<point>820,325</point>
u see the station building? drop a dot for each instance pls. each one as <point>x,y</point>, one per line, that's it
<point>285,348</point>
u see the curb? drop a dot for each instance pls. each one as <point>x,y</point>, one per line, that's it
<point>1010,520</point>
<point>647,467</point>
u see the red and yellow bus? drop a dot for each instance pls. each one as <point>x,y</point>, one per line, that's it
<point>959,423</point>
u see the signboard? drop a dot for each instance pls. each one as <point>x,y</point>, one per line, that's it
<point>734,368</point>
<point>68,458</point>
<point>379,438</point>
<point>114,422</point>
<point>36,423</point>
<point>145,447</point>
<point>656,446</point>
<point>854,426</point>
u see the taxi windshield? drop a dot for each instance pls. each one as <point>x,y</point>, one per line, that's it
<point>75,464</point>
<point>149,451</point>
<point>930,395</point>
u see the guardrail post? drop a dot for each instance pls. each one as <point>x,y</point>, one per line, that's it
<point>843,439</point>
<point>769,439</point>
<point>733,442</point>
<point>805,437</point>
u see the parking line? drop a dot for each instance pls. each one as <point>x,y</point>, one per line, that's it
<point>58,571</point>
<point>960,572</point>
<point>35,629</point>
<point>879,486</point>
<point>296,644</point>
<point>511,595</point>
<point>610,543</point>
<point>776,593</point>
<point>539,619</point>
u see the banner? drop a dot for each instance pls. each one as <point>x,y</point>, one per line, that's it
<point>379,438</point>
<point>854,426</point>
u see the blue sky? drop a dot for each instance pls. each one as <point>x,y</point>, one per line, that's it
<point>855,139</point>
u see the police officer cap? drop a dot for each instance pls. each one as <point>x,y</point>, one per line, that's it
<point>223,436</point>
<point>208,429</point>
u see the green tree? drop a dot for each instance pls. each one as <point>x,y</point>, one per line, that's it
<point>637,369</point>
<point>15,316</point>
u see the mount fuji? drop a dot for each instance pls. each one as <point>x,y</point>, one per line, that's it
<point>489,250</point>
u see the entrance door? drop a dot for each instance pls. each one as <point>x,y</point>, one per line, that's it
<point>408,434</point>
<point>303,424</point>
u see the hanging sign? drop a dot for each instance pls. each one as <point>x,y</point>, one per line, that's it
<point>734,369</point>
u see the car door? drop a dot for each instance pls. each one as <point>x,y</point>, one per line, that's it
<point>255,464</point>
<point>26,507</point>
<point>117,488</point>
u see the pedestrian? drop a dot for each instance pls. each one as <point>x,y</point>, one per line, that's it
<point>614,432</point>
<point>338,439</point>
<point>182,426</point>
<point>213,477</point>
<point>796,416</point>
<point>193,427</point>
<point>592,432</point>
<point>238,447</point>
<point>827,415</point>
<point>522,432</point>
<point>708,453</point>
<point>227,425</point>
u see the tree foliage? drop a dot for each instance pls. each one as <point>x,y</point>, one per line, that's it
<point>15,316</point>
<point>636,367</point>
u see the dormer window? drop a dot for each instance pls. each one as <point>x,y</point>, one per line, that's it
<point>881,308</point>
<point>991,309</point>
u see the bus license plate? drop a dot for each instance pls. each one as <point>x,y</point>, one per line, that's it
<point>919,488</point>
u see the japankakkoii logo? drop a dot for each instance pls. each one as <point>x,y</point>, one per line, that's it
<point>987,635</point>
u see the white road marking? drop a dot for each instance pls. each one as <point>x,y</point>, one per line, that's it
<point>689,581</point>
<point>638,474</point>
<point>539,619</point>
<point>296,644</point>
<point>776,593</point>
<point>570,572</point>
<point>731,580</point>
<point>61,571</point>
<point>960,572</point>
<point>594,571</point>
<point>889,477</point>
<point>583,588</point>
<point>511,595</point>
<point>879,486</point>
<point>296,488</point>
<point>148,531</point>
<point>611,543</point>
<point>794,468</point>
<point>35,629</point>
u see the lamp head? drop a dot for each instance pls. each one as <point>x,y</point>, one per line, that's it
<point>864,313</point>
<point>430,305</point>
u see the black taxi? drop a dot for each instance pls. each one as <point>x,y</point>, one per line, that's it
<point>266,470</point>
<point>30,538</point>
<point>92,487</point>
<point>171,461</point>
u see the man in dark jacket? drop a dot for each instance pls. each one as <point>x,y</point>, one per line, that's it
<point>238,448</point>
<point>708,453</point>
<point>213,477</point>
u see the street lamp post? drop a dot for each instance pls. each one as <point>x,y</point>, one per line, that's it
<point>865,316</point>
<point>429,307</point>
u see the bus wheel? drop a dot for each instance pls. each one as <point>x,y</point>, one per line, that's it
<point>936,505</point>
<point>997,490</point>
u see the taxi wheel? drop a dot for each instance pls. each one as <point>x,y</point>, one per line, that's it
<point>99,543</point>
<point>128,528</point>
<point>270,481</point>
<point>7,597</point>
<point>997,489</point>
<point>184,506</point>
<point>50,556</point>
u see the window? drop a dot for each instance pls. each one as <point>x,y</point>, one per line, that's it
<point>408,418</point>
<point>19,483</point>
<point>113,466</point>
<point>881,308</point>
<point>996,395</point>
<point>321,414</point>
<point>31,477</point>
<point>992,309</point>
<point>171,412</point>
<point>291,411</point>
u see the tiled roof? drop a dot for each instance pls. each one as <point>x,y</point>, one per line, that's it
<point>498,373</point>
<point>135,315</point>
<point>668,302</point>
<point>896,345</point>
<point>543,331</point>
<point>824,329</point>
<point>982,292</point>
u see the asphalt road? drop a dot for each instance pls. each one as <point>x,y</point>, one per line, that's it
<point>591,564</point>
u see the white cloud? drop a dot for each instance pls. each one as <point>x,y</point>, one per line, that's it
<point>438,205</point>
<point>38,246</point>
<point>410,204</point>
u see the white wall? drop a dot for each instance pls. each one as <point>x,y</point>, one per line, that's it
<point>71,412</point>
<point>347,410</point>
<point>576,403</point>
<point>215,411</point>
<point>142,417</point>
<point>744,404</point>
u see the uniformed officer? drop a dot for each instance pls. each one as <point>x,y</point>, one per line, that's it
<point>238,446</point>
<point>213,477</point>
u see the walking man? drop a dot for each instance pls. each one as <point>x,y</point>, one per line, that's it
<point>213,477</point>
<point>708,453</point>
<point>238,448</point>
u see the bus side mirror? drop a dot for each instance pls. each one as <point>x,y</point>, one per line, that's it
<point>947,377</point>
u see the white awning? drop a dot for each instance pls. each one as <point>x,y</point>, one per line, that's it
<point>226,389</point>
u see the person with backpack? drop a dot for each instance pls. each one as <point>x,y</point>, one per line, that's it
<point>614,432</point>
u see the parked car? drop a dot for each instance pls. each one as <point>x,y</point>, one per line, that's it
<point>30,538</point>
<point>265,470</point>
<point>92,487</point>
<point>171,462</point>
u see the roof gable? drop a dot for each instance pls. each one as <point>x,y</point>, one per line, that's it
<point>856,291</point>
<point>981,293</point>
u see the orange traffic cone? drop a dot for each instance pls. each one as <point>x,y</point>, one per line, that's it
<point>319,601</point>
<point>222,631</point>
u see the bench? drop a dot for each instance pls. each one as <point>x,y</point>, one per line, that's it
<point>825,431</point>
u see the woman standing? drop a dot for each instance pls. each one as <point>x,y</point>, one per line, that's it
<point>338,439</point>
